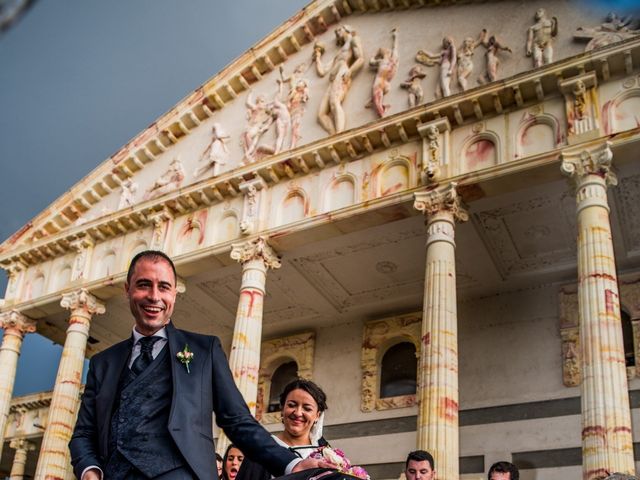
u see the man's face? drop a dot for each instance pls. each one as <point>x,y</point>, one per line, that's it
<point>500,476</point>
<point>419,470</point>
<point>152,294</point>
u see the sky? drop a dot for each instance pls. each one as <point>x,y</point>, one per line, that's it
<point>80,78</point>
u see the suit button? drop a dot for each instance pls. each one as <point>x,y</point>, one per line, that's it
<point>121,420</point>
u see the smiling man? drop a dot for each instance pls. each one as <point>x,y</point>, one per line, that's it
<point>147,407</point>
<point>420,466</point>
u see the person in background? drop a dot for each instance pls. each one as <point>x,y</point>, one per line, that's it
<point>219,464</point>
<point>232,461</point>
<point>420,466</point>
<point>503,471</point>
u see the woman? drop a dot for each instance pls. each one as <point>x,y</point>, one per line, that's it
<point>302,405</point>
<point>233,459</point>
<point>219,464</point>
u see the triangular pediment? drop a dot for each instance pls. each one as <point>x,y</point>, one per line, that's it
<point>285,94</point>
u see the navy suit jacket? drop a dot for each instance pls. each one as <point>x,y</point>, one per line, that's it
<point>209,387</point>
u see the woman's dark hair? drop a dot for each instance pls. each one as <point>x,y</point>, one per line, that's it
<point>224,460</point>
<point>308,386</point>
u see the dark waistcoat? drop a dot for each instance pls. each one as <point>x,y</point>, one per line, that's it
<point>139,434</point>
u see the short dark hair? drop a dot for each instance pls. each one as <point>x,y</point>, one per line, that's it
<point>420,456</point>
<point>153,255</point>
<point>219,457</point>
<point>308,386</point>
<point>504,467</point>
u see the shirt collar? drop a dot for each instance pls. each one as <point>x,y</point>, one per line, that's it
<point>162,333</point>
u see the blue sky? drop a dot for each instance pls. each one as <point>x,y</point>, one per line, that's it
<point>80,78</point>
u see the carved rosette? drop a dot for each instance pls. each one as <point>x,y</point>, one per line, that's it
<point>257,249</point>
<point>83,306</point>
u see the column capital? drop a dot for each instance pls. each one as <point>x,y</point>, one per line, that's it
<point>593,160</point>
<point>14,320</point>
<point>257,249</point>
<point>444,199</point>
<point>22,444</point>
<point>81,300</point>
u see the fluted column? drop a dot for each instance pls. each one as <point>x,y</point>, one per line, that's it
<point>607,444</point>
<point>15,325</point>
<point>256,256</point>
<point>438,369</point>
<point>54,453</point>
<point>22,447</point>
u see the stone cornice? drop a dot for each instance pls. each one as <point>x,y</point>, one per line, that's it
<point>460,109</point>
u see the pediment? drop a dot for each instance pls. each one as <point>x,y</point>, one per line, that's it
<point>276,98</point>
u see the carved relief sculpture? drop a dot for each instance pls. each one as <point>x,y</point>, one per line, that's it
<point>465,58</point>
<point>540,38</point>
<point>170,180</point>
<point>614,29</point>
<point>258,121</point>
<point>493,46</point>
<point>344,66</point>
<point>215,154</point>
<point>129,188</point>
<point>297,99</point>
<point>282,118</point>
<point>385,64</point>
<point>413,86</point>
<point>447,61</point>
<point>251,190</point>
<point>430,166</point>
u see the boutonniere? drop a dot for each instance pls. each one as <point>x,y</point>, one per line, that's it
<point>185,356</point>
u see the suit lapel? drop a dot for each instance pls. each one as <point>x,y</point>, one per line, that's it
<point>115,363</point>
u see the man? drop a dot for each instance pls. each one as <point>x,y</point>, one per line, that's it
<point>503,471</point>
<point>420,466</point>
<point>146,408</point>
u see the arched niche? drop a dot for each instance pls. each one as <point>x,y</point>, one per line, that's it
<point>538,135</point>
<point>625,111</point>
<point>293,208</point>
<point>481,151</point>
<point>398,370</point>
<point>37,286</point>
<point>395,176</point>
<point>340,193</point>
<point>62,277</point>
<point>228,228</point>
<point>190,235</point>
<point>137,247</point>
<point>107,264</point>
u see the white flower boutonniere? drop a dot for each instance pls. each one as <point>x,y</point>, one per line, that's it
<point>185,356</point>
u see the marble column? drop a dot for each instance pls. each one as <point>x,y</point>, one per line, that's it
<point>256,257</point>
<point>438,369</point>
<point>607,445</point>
<point>15,325</point>
<point>22,447</point>
<point>54,453</point>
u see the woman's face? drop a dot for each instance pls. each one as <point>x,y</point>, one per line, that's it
<point>232,463</point>
<point>299,413</point>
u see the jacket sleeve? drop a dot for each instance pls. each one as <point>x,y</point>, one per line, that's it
<point>84,441</point>
<point>234,417</point>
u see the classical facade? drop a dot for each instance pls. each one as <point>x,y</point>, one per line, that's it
<point>429,208</point>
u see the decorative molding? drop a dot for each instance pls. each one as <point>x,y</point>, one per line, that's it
<point>16,322</point>
<point>257,249</point>
<point>444,199</point>
<point>51,237</point>
<point>378,337</point>
<point>570,330</point>
<point>82,304</point>
<point>273,353</point>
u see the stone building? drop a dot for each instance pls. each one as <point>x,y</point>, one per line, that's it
<point>379,195</point>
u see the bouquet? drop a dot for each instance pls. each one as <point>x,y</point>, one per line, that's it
<point>337,458</point>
